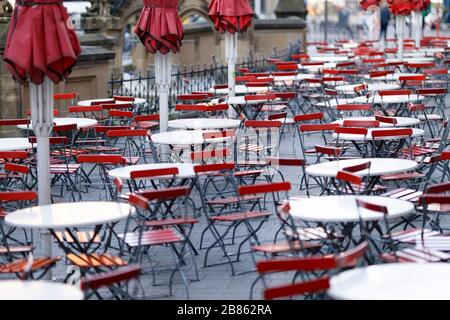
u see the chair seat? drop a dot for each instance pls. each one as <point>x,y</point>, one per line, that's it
<point>15,249</point>
<point>231,200</point>
<point>276,248</point>
<point>96,260</point>
<point>418,255</point>
<point>403,176</point>
<point>20,265</point>
<point>153,238</point>
<point>170,222</point>
<point>404,194</point>
<point>64,168</point>
<point>240,216</point>
<point>81,237</point>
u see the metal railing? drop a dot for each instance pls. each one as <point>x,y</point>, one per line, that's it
<point>186,79</point>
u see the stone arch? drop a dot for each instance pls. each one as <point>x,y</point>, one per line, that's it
<point>189,7</point>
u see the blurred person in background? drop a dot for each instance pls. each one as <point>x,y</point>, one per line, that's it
<point>385,17</point>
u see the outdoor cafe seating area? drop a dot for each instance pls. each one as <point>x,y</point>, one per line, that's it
<point>325,176</point>
<point>334,173</point>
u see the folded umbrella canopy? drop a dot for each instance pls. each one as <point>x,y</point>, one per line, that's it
<point>161,32</point>
<point>41,47</point>
<point>400,9</point>
<point>367,4</point>
<point>160,27</point>
<point>40,42</point>
<point>231,18</point>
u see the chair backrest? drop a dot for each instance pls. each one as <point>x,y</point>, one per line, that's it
<point>264,188</point>
<point>351,130</point>
<point>286,162</point>
<point>209,168</point>
<point>396,92</point>
<point>394,133</point>
<point>165,194</point>
<point>14,122</point>
<point>318,127</point>
<point>111,159</point>
<point>126,133</point>
<point>262,124</point>
<point>361,123</point>
<point>146,117</point>
<point>16,168</point>
<point>308,117</point>
<point>124,98</point>
<point>153,173</point>
<point>13,155</point>
<point>12,196</point>
<point>85,109</point>
<point>438,188</point>
<point>349,178</point>
<point>390,120</point>
<point>354,107</point>
<point>358,167</point>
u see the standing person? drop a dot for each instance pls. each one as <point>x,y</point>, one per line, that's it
<point>343,21</point>
<point>385,16</point>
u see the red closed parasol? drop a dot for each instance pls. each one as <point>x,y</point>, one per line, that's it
<point>232,16</point>
<point>41,42</point>
<point>401,7</point>
<point>366,4</point>
<point>420,5</point>
<point>160,27</point>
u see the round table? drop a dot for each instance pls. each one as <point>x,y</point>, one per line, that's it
<point>329,58</point>
<point>87,103</point>
<point>13,144</point>
<point>394,281</point>
<point>185,170</point>
<point>377,99</point>
<point>379,167</point>
<point>38,290</point>
<point>297,77</point>
<point>401,121</point>
<point>371,87</point>
<point>80,122</point>
<point>69,215</point>
<point>343,209</point>
<point>204,124</point>
<point>240,100</point>
<point>369,137</point>
<point>393,77</point>
<point>241,89</point>
<point>183,137</point>
<point>314,68</point>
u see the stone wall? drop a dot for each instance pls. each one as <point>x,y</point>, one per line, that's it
<point>201,42</point>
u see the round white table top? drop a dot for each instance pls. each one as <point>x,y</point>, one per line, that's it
<point>379,166</point>
<point>204,124</point>
<point>15,144</point>
<point>87,103</point>
<point>371,87</point>
<point>393,281</point>
<point>344,209</point>
<point>240,100</point>
<point>241,89</point>
<point>69,215</point>
<point>411,60</point>
<point>182,137</point>
<point>389,99</point>
<point>401,121</point>
<point>317,68</point>
<point>297,77</point>
<point>329,58</point>
<point>393,77</point>
<point>80,122</point>
<point>38,290</point>
<point>360,137</point>
<point>185,170</point>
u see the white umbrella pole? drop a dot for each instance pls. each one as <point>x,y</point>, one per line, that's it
<point>418,24</point>
<point>41,98</point>
<point>163,73</point>
<point>400,20</point>
<point>231,57</point>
